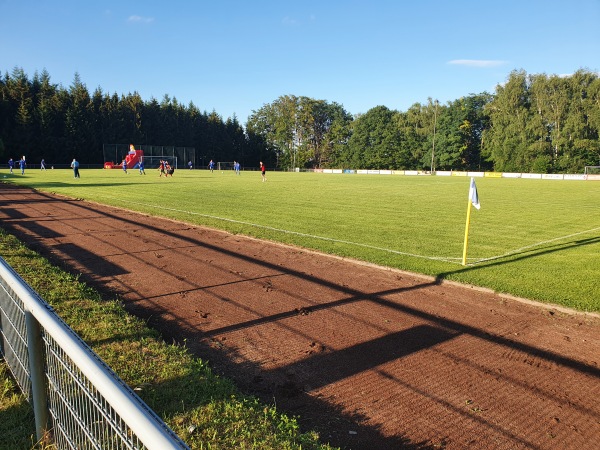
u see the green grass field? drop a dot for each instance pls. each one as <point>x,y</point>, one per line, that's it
<point>538,239</point>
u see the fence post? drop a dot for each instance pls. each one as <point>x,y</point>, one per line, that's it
<point>35,350</point>
<point>1,330</point>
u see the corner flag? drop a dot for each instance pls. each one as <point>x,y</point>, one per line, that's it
<point>473,200</point>
<point>473,194</point>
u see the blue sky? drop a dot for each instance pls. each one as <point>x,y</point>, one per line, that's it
<point>234,56</point>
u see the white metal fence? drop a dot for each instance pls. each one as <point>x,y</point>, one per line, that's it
<point>77,399</point>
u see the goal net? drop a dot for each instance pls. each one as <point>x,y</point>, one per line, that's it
<point>115,153</point>
<point>152,162</point>
<point>225,165</point>
<point>592,170</point>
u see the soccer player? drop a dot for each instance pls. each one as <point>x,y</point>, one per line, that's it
<point>170,170</point>
<point>263,170</point>
<point>75,167</point>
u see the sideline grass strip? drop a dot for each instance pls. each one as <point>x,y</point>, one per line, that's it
<point>537,239</point>
<point>207,411</point>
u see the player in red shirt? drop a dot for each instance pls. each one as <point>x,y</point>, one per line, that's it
<point>262,170</point>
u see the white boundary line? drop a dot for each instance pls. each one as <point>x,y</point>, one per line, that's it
<point>537,244</point>
<point>297,233</point>
<point>451,260</point>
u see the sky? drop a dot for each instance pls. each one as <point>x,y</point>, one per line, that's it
<point>235,56</point>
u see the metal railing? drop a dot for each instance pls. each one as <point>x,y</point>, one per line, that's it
<point>78,401</point>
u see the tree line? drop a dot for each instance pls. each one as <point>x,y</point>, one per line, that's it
<point>41,119</point>
<point>531,123</point>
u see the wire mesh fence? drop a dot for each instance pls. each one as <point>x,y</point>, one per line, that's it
<point>13,342</point>
<point>78,401</point>
<point>81,416</point>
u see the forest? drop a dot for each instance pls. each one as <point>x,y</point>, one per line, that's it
<point>531,123</point>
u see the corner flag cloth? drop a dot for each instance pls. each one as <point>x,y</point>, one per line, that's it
<point>474,201</point>
<point>473,194</point>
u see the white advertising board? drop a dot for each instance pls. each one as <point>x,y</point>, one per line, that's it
<point>574,176</point>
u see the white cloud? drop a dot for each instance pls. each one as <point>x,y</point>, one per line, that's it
<point>292,22</point>
<point>289,21</point>
<point>477,62</point>
<point>140,19</point>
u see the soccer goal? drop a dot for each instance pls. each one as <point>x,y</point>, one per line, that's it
<point>225,165</point>
<point>152,162</point>
<point>592,170</point>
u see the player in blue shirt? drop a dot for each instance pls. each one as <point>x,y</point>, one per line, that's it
<point>75,166</point>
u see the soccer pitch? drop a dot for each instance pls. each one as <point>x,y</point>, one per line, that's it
<point>538,239</point>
